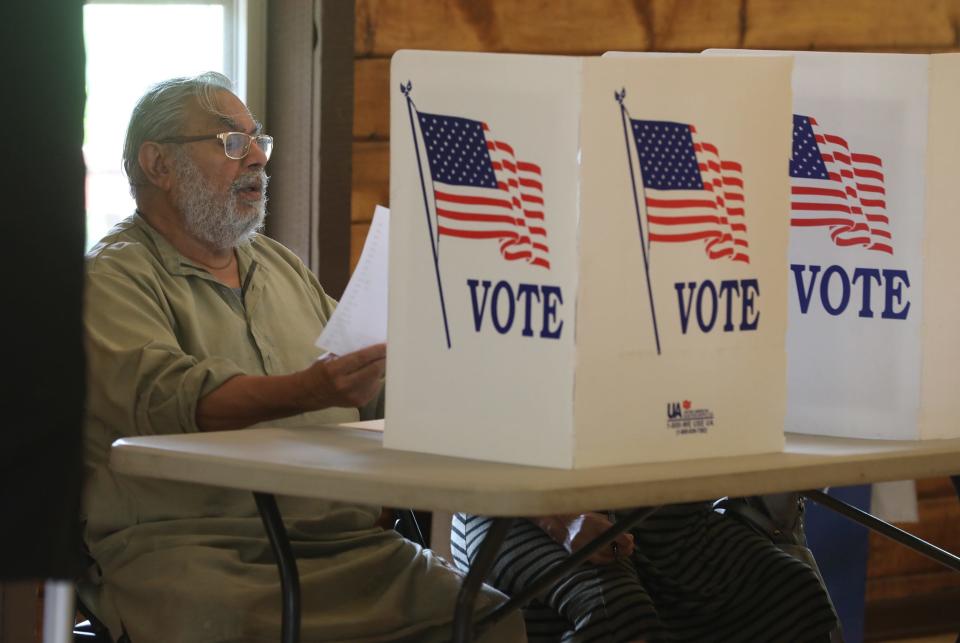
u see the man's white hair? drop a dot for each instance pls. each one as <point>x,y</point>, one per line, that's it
<point>161,112</point>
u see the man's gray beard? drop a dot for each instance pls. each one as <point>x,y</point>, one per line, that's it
<point>222,221</point>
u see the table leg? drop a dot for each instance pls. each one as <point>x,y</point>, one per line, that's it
<point>904,538</point>
<point>58,611</point>
<point>519,599</point>
<point>481,566</point>
<point>289,578</point>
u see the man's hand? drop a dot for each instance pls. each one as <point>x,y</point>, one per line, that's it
<point>348,380</point>
<point>573,532</point>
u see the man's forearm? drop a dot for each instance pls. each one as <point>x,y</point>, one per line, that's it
<point>245,400</point>
<point>348,381</point>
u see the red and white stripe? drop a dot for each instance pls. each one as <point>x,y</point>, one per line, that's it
<point>852,202</point>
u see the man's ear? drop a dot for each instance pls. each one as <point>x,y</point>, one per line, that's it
<point>156,165</point>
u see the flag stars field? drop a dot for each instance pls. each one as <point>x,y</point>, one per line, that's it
<point>691,193</point>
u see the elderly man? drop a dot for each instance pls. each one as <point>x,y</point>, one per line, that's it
<point>196,322</point>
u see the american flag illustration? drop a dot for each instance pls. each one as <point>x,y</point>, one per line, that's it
<point>690,192</point>
<point>482,190</point>
<point>838,189</point>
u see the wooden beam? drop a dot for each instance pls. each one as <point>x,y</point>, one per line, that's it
<point>849,25</point>
<point>520,26</point>
<point>335,22</point>
<point>371,102</point>
<point>371,180</point>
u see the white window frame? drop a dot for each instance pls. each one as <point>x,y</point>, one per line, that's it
<point>245,51</point>
<point>244,45</point>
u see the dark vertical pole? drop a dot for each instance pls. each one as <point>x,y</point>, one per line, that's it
<point>42,100</point>
<point>334,154</point>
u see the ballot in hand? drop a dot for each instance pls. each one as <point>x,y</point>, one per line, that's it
<point>360,317</point>
<point>348,380</point>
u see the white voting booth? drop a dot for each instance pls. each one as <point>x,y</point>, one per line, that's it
<point>873,340</point>
<point>587,257</point>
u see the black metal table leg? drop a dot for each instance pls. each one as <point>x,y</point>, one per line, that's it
<point>467,598</point>
<point>519,599</point>
<point>289,578</point>
<point>907,539</point>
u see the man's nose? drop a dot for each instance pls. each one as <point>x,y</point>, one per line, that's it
<point>255,156</point>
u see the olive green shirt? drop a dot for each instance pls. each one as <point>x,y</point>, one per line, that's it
<point>189,562</point>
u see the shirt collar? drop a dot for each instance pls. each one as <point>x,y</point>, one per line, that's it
<point>177,264</point>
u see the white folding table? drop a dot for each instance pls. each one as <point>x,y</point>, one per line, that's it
<point>349,463</point>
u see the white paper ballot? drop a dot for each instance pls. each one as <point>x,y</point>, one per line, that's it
<point>360,319</point>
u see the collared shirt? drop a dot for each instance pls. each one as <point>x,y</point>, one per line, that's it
<point>161,333</point>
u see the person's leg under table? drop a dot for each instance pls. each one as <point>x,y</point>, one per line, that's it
<point>463,626</point>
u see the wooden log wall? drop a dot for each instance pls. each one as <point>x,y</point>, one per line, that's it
<point>896,576</point>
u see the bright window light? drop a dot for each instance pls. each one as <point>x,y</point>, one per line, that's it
<point>129,47</point>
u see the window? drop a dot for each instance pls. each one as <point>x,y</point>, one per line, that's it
<point>132,45</point>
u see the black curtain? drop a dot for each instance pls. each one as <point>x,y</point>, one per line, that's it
<point>41,104</point>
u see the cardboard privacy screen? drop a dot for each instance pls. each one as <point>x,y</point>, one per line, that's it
<point>587,257</point>
<point>872,338</point>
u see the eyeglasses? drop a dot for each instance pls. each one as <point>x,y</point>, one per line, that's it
<point>236,145</point>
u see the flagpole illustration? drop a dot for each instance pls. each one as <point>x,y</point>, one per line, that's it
<point>411,108</point>
<point>636,203</point>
